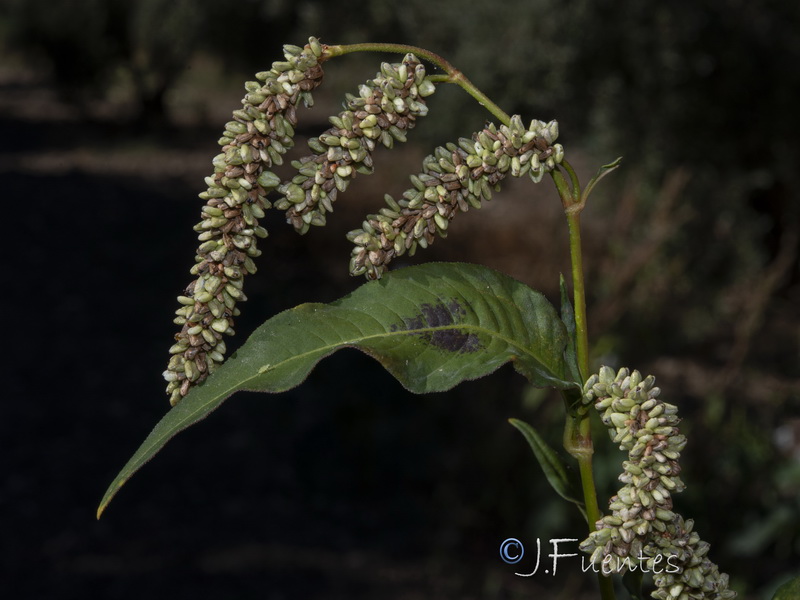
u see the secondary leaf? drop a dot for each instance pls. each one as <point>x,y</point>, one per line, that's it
<point>431,326</point>
<point>568,318</point>
<point>551,463</point>
<point>601,172</point>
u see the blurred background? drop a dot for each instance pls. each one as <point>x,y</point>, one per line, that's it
<point>349,487</point>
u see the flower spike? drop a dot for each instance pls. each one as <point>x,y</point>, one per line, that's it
<point>257,137</point>
<point>454,178</point>
<point>385,109</point>
<point>642,527</point>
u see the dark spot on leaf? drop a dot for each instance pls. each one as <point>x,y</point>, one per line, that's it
<point>446,317</point>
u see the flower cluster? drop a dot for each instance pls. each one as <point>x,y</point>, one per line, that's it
<point>454,178</point>
<point>257,137</point>
<point>642,526</point>
<point>699,578</point>
<point>646,427</point>
<point>387,106</point>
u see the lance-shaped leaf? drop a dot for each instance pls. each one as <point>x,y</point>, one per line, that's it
<point>568,317</point>
<point>601,172</point>
<point>431,326</point>
<point>551,464</point>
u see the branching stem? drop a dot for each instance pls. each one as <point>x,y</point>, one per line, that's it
<point>578,430</point>
<point>577,433</point>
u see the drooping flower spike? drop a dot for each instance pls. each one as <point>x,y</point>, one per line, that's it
<point>454,178</point>
<point>385,109</point>
<point>255,140</point>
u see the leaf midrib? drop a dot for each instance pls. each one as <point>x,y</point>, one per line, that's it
<point>200,411</point>
<point>230,390</point>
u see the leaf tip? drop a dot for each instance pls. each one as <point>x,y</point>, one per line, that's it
<point>110,493</point>
<point>516,423</point>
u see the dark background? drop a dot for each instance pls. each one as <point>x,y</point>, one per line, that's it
<point>349,487</point>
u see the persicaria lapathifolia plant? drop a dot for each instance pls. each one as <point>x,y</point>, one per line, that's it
<point>432,326</point>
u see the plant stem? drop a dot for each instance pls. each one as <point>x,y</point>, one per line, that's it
<point>578,430</point>
<point>572,200</point>
<point>579,294</point>
<point>578,443</point>
<point>573,177</point>
<point>453,74</point>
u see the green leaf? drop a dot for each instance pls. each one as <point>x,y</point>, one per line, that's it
<point>431,326</point>
<point>789,590</point>
<point>601,172</point>
<point>554,469</point>
<point>568,318</point>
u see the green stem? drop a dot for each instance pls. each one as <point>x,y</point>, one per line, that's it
<point>453,74</point>
<point>571,199</point>
<point>579,294</point>
<point>578,443</point>
<point>578,430</point>
<point>563,188</point>
<point>576,186</point>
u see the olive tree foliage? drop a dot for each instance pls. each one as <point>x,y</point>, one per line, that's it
<point>87,44</point>
<point>90,46</point>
